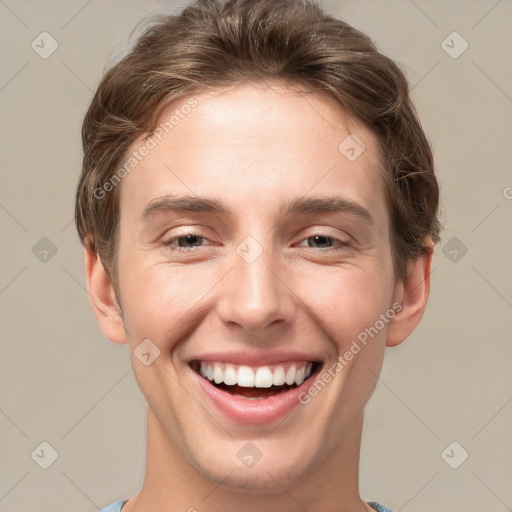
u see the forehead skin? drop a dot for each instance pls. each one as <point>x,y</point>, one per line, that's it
<point>256,146</point>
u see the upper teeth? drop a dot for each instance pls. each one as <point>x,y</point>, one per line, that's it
<point>261,377</point>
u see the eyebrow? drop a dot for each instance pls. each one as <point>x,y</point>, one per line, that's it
<point>298,206</point>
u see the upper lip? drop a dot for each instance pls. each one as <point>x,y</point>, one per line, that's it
<point>255,359</point>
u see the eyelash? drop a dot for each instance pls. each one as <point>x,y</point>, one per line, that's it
<point>169,242</point>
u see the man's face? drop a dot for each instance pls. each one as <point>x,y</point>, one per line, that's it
<point>253,291</point>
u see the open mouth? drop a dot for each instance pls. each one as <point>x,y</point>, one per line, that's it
<point>256,383</point>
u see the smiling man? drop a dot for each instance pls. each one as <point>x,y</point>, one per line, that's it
<point>259,207</point>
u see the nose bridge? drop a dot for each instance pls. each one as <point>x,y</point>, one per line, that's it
<point>253,296</point>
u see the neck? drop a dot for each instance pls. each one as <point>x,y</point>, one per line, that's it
<point>171,481</point>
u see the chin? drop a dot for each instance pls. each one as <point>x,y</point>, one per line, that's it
<point>254,480</point>
<point>273,472</point>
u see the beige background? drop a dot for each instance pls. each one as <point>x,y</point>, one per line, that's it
<point>63,383</point>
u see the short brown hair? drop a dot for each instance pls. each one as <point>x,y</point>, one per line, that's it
<point>212,44</point>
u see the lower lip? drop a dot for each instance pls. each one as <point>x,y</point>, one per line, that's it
<point>253,412</point>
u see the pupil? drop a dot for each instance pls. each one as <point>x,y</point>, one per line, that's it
<point>322,240</point>
<point>189,239</point>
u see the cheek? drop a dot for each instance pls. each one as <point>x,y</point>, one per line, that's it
<point>160,299</point>
<point>345,300</point>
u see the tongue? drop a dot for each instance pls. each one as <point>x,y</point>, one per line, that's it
<point>253,392</point>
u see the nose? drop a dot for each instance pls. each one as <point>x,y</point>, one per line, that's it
<point>254,294</point>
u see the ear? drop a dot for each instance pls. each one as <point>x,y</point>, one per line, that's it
<point>103,300</point>
<point>412,293</point>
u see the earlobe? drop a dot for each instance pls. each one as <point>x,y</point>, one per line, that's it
<point>412,293</point>
<point>102,297</point>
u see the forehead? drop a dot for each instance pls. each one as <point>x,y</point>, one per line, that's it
<point>255,143</point>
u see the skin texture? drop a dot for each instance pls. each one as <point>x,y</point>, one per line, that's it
<point>254,146</point>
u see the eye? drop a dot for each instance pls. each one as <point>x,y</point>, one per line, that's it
<point>325,242</point>
<point>187,242</point>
